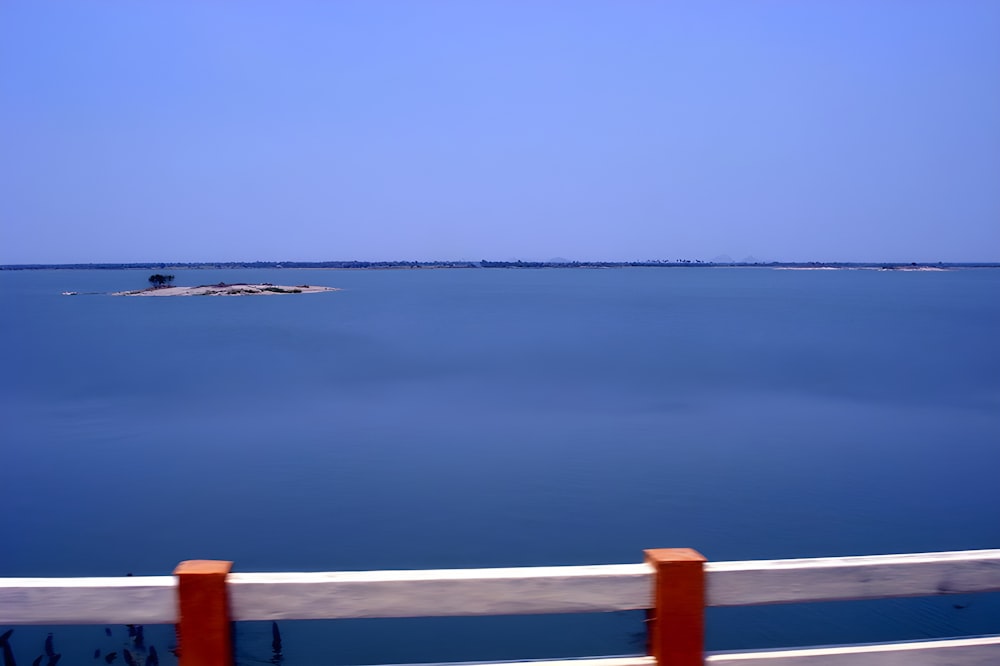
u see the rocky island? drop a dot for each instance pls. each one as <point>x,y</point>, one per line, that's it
<point>224,289</point>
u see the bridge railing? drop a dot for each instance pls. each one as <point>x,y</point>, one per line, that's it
<point>673,585</point>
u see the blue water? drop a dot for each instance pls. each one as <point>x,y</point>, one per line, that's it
<point>470,418</point>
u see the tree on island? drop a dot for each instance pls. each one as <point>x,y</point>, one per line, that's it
<point>158,280</point>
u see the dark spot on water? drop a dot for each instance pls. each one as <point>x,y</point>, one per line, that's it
<point>110,657</point>
<point>8,654</point>
<point>97,653</point>
<point>276,657</point>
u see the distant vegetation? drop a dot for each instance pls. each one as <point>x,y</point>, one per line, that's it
<point>158,280</point>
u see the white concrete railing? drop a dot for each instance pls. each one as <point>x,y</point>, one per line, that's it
<point>571,589</point>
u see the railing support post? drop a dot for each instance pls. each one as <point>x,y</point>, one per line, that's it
<point>204,628</point>
<point>677,620</point>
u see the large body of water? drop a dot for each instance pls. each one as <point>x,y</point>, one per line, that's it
<point>474,418</point>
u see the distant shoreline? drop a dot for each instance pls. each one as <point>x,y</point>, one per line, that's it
<point>412,265</point>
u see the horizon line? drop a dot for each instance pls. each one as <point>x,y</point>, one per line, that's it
<point>467,263</point>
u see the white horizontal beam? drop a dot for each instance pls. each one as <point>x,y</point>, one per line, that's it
<point>443,592</point>
<point>129,600</point>
<point>843,578</point>
<point>578,661</point>
<point>983,651</point>
<point>603,588</point>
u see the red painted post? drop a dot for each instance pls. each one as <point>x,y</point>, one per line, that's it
<point>677,620</point>
<point>204,631</point>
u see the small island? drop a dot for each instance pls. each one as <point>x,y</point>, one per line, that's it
<point>160,288</point>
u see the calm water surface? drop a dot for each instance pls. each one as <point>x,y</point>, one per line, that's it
<point>470,418</point>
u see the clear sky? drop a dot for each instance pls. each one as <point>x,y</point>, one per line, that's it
<point>531,129</point>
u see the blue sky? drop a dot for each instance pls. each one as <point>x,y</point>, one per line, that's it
<point>617,130</point>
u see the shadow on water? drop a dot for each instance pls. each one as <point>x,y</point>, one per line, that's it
<point>276,657</point>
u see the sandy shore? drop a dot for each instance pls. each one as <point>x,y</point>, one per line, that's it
<point>223,289</point>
